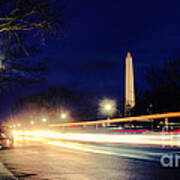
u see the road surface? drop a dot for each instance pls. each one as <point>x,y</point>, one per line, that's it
<point>74,161</point>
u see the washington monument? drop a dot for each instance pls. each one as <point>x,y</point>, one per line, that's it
<point>129,86</point>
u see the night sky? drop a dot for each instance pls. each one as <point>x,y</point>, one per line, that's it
<point>91,56</point>
<point>98,35</point>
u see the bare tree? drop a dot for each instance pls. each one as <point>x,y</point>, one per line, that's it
<point>164,87</point>
<point>23,23</point>
<point>30,15</point>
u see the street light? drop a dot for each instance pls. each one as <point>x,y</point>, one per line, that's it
<point>108,107</point>
<point>63,116</point>
<point>32,122</point>
<point>19,125</point>
<point>44,120</point>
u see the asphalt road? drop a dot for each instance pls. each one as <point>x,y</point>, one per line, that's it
<point>73,161</point>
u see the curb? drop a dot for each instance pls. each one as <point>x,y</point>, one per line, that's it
<point>5,174</point>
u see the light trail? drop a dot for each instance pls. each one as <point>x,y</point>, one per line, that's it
<point>118,120</point>
<point>152,139</point>
<point>143,155</point>
<point>128,153</point>
<point>137,155</point>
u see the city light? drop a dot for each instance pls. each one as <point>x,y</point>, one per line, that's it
<point>108,107</point>
<point>19,125</point>
<point>32,122</point>
<point>44,120</point>
<point>63,116</point>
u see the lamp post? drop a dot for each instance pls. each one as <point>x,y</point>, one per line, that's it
<point>19,125</point>
<point>44,120</point>
<point>63,115</point>
<point>108,108</point>
<point>32,122</point>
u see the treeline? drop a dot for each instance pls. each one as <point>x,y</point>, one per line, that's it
<point>163,94</point>
<point>54,101</point>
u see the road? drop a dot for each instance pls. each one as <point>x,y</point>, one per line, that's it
<point>75,161</point>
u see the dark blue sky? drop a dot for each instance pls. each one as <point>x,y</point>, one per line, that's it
<point>100,32</point>
<point>98,35</point>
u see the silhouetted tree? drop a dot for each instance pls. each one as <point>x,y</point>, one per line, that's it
<point>23,23</point>
<point>163,94</point>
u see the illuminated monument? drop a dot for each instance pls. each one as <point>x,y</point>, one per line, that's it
<point>129,86</point>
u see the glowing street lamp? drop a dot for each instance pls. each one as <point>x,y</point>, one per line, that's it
<point>19,125</point>
<point>44,120</point>
<point>108,107</point>
<point>32,122</point>
<point>63,116</point>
